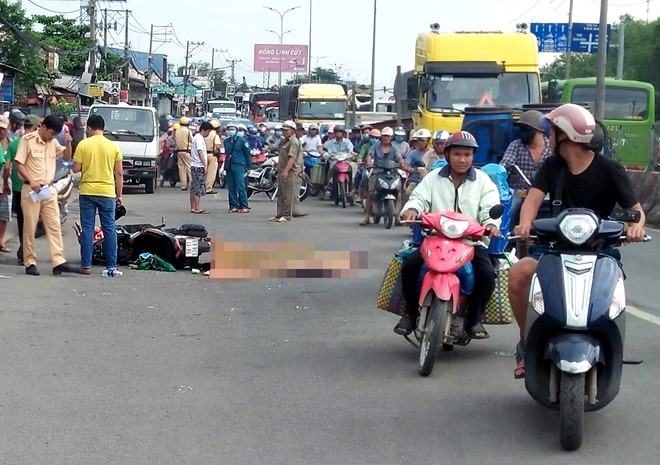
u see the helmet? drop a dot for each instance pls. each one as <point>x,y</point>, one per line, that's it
<point>278,126</point>
<point>461,139</point>
<point>422,134</point>
<point>183,121</point>
<point>575,121</point>
<point>399,131</point>
<point>532,118</point>
<point>387,131</point>
<point>313,126</point>
<point>289,125</point>
<point>339,128</point>
<point>215,123</point>
<point>366,126</point>
<point>32,120</point>
<point>16,116</point>
<point>176,126</point>
<point>231,125</point>
<point>374,133</point>
<point>253,130</point>
<point>241,126</point>
<point>356,129</point>
<point>440,135</point>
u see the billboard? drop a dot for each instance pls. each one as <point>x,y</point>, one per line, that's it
<point>267,58</point>
<point>7,89</point>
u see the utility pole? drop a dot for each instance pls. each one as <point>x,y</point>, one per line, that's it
<point>570,40</point>
<point>212,76</point>
<point>150,66</point>
<point>105,33</point>
<point>373,64</point>
<point>185,76</point>
<point>620,51</point>
<point>599,109</point>
<point>232,64</point>
<point>126,56</point>
<point>92,37</point>
<point>309,47</point>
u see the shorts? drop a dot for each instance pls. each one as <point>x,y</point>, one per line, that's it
<point>5,211</point>
<point>372,182</point>
<point>198,185</point>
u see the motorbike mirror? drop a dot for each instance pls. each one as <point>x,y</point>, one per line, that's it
<point>496,211</point>
<point>419,164</point>
<point>626,216</point>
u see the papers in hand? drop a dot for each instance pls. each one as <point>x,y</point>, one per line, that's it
<point>43,194</point>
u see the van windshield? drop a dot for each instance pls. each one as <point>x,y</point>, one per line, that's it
<point>322,109</point>
<point>129,124</point>
<point>620,103</point>
<point>219,107</point>
<point>455,93</point>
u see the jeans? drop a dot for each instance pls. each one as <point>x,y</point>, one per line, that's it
<point>236,186</point>
<point>484,283</point>
<point>89,205</point>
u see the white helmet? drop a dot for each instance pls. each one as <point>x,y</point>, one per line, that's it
<point>241,127</point>
<point>277,126</point>
<point>574,120</point>
<point>440,136</point>
<point>422,134</point>
<point>289,124</point>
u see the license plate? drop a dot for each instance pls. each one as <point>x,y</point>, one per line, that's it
<point>192,248</point>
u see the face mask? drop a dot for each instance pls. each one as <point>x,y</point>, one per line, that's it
<point>398,138</point>
<point>231,133</point>
<point>365,136</point>
<point>241,133</point>
<point>278,133</point>
<point>253,136</point>
<point>526,134</point>
<point>374,140</point>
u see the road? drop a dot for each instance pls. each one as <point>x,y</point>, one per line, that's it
<point>158,368</point>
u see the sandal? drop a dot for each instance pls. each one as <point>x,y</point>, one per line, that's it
<point>365,223</point>
<point>5,249</point>
<point>404,327</point>
<point>201,212</point>
<point>244,210</point>
<point>233,210</point>
<point>519,372</point>
<point>479,332</point>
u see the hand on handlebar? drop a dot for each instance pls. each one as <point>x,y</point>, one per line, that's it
<point>409,215</point>
<point>492,231</point>
<point>523,230</point>
<point>635,233</point>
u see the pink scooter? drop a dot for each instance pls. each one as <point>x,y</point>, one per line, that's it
<point>342,182</point>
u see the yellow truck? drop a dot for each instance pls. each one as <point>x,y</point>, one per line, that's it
<point>313,103</point>
<point>454,71</point>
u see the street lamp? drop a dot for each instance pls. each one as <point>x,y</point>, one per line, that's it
<point>281,34</point>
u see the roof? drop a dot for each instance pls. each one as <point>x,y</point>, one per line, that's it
<point>140,60</point>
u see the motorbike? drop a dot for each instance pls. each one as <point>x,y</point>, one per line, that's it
<point>334,163</point>
<point>574,334</point>
<point>264,179</point>
<point>171,172</point>
<point>445,284</point>
<point>258,157</point>
<point>386,193</point>
<point>181,247</point>
<point>312,158</point>
<point>221,176</point>
<point>342,181</point>
<point>63,184</point>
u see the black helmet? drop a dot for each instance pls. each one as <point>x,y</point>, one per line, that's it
<point>16,116</point>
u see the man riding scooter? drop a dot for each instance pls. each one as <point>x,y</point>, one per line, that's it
<point>339,144</point>
<point>456,187</point>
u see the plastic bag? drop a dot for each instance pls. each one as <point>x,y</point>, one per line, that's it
<point>147,261</point>
<point>498,175</point>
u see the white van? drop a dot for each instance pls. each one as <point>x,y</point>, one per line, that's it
<point>135,130</point>
<point>221,109</point>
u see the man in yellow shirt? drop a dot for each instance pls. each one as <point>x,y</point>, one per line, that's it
<point>101,183</point>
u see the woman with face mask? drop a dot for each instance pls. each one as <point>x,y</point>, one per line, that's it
<point>400,141</point>
<point>527,153</point>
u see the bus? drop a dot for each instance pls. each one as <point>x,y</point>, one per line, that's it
<point>454,71</point>
<point>629,114</point>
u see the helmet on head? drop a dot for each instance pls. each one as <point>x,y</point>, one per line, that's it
<point>313,126</point>
<point>461,139</point>
<point>277,126</point>
<point>215,123</point>
<point>399,131</point>
<point>422,134</point>
<point>374,133</point>
<point>231,125</point>
<point>532,118</point>
<point>366,126</point>
<point>253,130</point>
<point>176,126</point>
<point>241,127</point>
<point>289,125</point>
<point>387,131</point>
<point>440,135</point>
<point>575,121</point>
<point>339,128</point>
<point>16,116</point>
<point>183,121</point>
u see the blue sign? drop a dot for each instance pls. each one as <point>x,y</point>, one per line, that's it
<point>7,89</point>
<point>553,37</point>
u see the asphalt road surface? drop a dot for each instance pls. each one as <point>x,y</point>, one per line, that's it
<point>158,368</point>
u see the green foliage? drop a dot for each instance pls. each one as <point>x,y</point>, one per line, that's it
<point>62,107</point>
<point>325,75</point>
<point>65,34</point>
<point>112,64</point>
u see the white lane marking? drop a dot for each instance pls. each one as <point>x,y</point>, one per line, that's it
<point>643,315</point>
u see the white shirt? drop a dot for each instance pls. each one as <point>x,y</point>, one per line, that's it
<point>313,143</point>
<point>198,144</point>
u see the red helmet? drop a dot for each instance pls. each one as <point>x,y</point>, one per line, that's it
<point>575,121</point>
<point>461,139</point>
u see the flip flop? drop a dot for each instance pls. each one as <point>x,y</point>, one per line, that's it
<point>201,212</point>
<point>479,332</point>
<point>404,327</point>
<point>5,249</point>
<point>365,223</point>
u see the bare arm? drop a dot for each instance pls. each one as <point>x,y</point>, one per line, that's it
<point>77,167</point>
<point>119,180</point>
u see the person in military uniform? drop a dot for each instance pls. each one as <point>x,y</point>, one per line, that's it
<point>35,162</point>
<point>289,166</point>
<point>183,139</point>
<point>213,147</point>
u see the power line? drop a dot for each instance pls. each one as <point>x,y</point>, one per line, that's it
<point>53,11</point>
<point>523,14</point>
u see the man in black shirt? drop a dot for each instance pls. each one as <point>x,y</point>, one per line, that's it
<point>589,181</point>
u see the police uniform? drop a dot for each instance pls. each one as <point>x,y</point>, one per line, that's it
<point>38,158</point>
<point>289,188</point>
<point>212,140</point>
<point>183,140</point>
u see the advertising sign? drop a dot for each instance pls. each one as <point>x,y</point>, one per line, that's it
<point>7,89</point>
<point>267,58</point>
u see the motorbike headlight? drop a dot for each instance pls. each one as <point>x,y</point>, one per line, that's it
<point>453,228</point>
<point>396,183</point>
<point>137,163</point>
<point>578,229</point>
<point>618,304</point>
<point>383,183</point>
<point>536,296</point>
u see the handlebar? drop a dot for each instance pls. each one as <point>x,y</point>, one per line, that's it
<point>647,238</point>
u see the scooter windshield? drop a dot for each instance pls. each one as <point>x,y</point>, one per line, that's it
<point>62,169</point>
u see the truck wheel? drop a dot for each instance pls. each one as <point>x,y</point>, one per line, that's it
<point>150,186</point>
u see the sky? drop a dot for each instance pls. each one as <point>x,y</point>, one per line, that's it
<point>341,29</point>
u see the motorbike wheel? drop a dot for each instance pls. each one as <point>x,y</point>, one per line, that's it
<point>389,214</point>
<point>343,193</point>
<point>150,185</point>
<point>249,191</point>
<point>304,190</point>
<point>222,180</point>
<point>436,318</point>
<point>314,189</point>
<point>571,410</point>
<point>172,183</point>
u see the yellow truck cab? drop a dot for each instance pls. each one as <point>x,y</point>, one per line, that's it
<point>313,103</point>
<point>454,71</point>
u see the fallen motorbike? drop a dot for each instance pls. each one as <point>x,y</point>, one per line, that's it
<point>181,247</point>
<point>386,193</point>
<point>447,279</point>
<point>63,184</point>
<point>264,179</point>
<point>574,335</point>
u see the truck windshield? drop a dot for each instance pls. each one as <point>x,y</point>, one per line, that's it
<point>455,93</point>
<point>127,123</point>
<point>219,106</point>
<point>321,109</point>
<point>620,103</point>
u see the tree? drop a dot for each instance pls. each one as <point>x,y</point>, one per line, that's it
<point>66,35</point>
<point>112,64</point>
<point>325,75</point>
